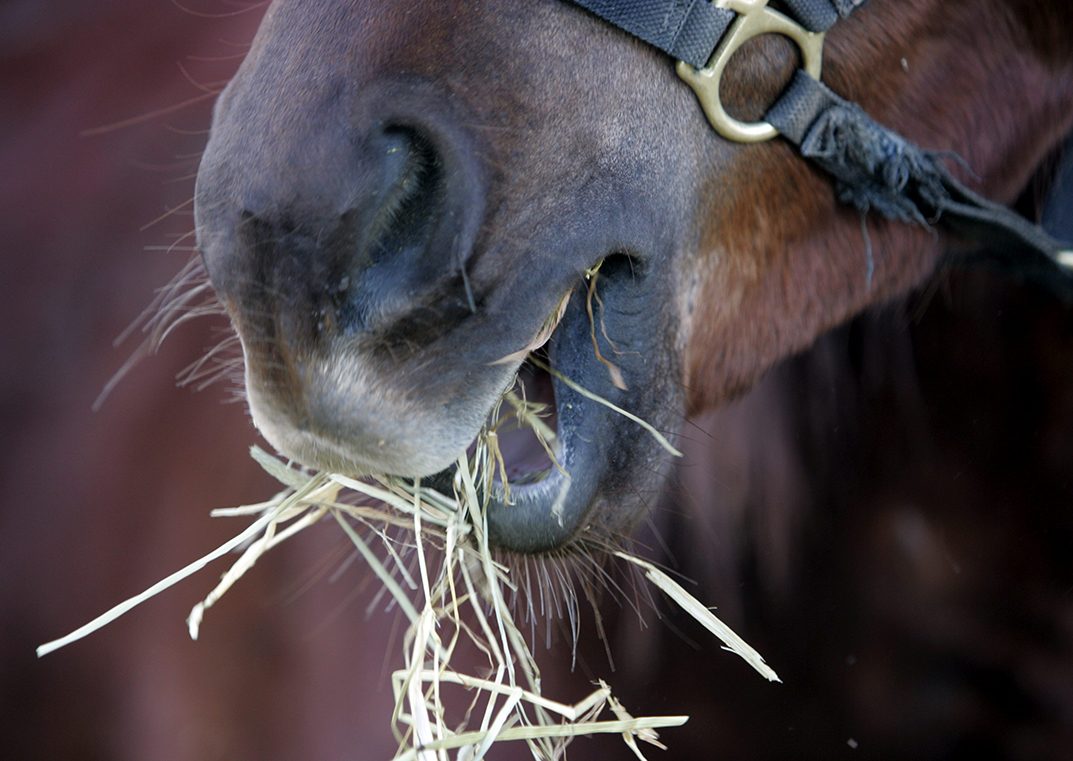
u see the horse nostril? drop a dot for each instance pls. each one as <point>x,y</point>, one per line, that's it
<point>357,236</point>
<point>413,198</point>
<point>406,230</point>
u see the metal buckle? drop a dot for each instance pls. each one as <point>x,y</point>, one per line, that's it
<point>754,19</point>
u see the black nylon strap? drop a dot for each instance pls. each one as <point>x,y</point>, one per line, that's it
<point>820,15</point>
<point>687,30</point>
<point>690,30</point>
<point>814,15</point>
<point>1058,209</point>
<point>876,169</point>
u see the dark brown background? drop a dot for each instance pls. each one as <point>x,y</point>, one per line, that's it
<point>96,507</point>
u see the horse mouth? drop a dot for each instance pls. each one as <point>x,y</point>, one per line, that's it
<point>532,442</point>
<point>526,431</point>
<point>531,485</point>
<point>568,463</point>
<point>573,484</point>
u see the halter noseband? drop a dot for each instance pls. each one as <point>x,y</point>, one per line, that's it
<point>874,168</point>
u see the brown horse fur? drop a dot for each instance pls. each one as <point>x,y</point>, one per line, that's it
<point>990,81</point>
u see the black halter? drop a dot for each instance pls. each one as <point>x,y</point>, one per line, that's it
<point>874,169</point>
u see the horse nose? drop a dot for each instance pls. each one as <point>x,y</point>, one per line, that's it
<point>339,254</point>
<point>343,240</point>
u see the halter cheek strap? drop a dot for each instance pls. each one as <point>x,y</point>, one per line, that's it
<point>689,30</point>
<point>874,168</point>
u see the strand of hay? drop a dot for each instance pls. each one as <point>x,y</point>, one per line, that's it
<point>613,370</point>
<point>659,437</point>
<point>458,599</point>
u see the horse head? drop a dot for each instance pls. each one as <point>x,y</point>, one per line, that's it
<point>397,197</point>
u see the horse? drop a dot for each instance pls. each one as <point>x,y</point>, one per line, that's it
<point>882,548</point>
<point>385,186</point>
<point>395,198</point>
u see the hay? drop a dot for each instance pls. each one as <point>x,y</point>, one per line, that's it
<point>613,370</point>
<point>457,602</point>
<point>659,437</point>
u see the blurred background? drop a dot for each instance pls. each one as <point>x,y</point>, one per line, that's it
<point>887,517</point>
<point>104,109</point>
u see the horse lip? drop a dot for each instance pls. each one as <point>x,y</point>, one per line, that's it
<point>304,432</point>
<point>536,519</point>
<point>606,456</point>
<point>308,416</point>
<point>323,450</point>
<point>530,490</point>
<point>547,515</point>
<point>545,496</point>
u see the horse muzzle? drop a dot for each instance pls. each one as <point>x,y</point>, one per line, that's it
<point>380,253</point>
<point>340,255</point>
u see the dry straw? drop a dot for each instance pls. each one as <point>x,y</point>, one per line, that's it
<point>454,598</point>
<point>457,575</point>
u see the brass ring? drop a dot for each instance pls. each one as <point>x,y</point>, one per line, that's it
<point>754,20</point>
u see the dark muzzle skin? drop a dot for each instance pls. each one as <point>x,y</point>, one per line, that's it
<point>339,252</point>
<point>385,222</point>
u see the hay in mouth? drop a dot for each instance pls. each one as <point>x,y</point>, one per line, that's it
<point>525,430</point>
<point>458,597</point>
<point>429,548</point>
